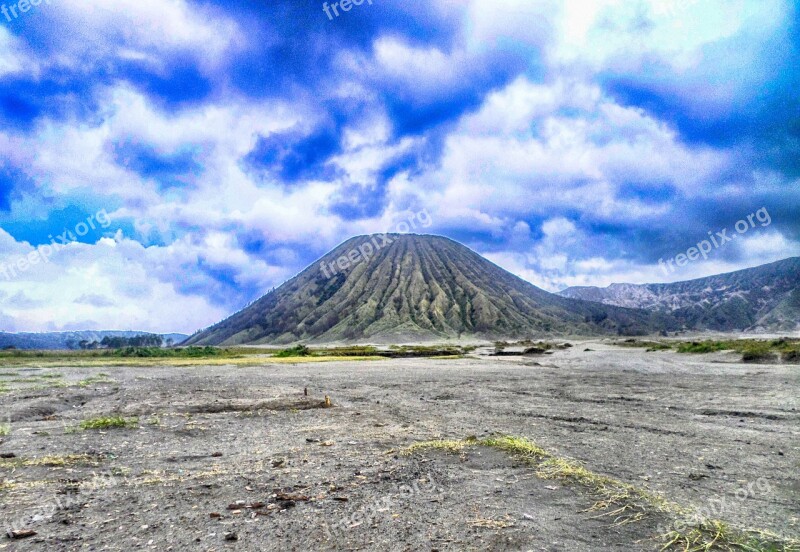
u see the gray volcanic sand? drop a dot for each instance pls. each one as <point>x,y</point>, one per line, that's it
<point>692,428</point>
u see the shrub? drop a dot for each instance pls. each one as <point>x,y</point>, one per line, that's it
<point>296,351</point>
<point>757,355</point>
<point>157,352</point>
<point>703,347</point>
<point>534,351</point>
<point>791,356</point>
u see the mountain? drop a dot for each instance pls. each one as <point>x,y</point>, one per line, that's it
<point>406,287</point>
<point>68,340</point>
<point>764,298</point>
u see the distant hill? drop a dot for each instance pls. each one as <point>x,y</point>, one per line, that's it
<point>764,298</point>
<point>416,288</point>
<point>68,340</point>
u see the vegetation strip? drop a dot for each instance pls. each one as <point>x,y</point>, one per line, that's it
<point>237,356</point>
<point>394,351</point>
<point>621,501</point>
<point>752,350</point>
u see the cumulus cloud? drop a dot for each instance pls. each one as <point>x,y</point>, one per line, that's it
<point>233,144</point>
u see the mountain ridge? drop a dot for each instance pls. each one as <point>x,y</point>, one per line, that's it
<point>761,298</point>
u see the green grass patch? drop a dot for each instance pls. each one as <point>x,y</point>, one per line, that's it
<point>659,347</point>
<point>112,422</point>
<point>5,429</point>
<point>94,380</point>
<point>704,347</point>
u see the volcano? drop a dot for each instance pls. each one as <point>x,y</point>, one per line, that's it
<point>393,288</point>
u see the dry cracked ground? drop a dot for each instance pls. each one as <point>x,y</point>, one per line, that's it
<point>238,458</point>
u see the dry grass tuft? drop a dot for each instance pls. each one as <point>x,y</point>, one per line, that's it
<point>503,523</point>
<point>716,535</point>
<point>447,446</point>
<point>50,461</point>
<point>621,501</point>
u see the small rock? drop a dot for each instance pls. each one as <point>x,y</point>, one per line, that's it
<point>292,497</point>
<point>231,536</point>
<point>216,455</point>
<point>21,534</point>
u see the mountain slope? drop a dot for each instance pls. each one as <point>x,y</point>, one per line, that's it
<point>764,298</point>
<point>68,340</point>
<point>415,288</point>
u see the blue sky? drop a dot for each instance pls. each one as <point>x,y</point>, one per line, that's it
<point>232,143</point>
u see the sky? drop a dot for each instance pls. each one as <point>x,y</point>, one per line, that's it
<point>163,163</point>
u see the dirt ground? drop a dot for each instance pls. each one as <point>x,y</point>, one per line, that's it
<point>237,458</point>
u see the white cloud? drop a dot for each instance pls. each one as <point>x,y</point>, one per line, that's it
<point>10,49</point>
<point>145,30</point>
<point>535,149</point>
<point>131,286</point>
